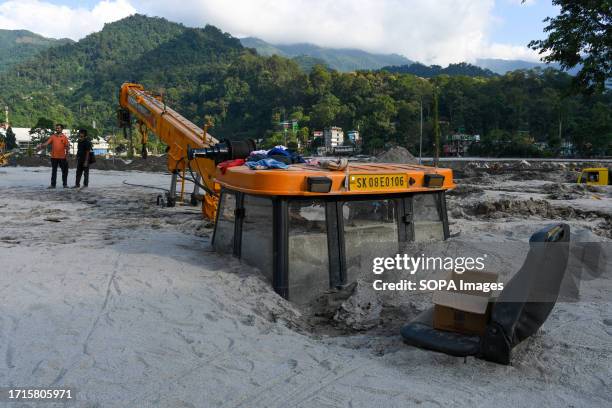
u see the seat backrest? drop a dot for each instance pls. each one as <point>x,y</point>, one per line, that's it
<point>529,297</point>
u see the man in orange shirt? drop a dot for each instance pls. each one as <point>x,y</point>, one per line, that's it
<point>60,146</point>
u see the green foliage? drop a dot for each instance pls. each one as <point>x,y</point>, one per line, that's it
<point>581,35</point>
<point>425,71</point>
<point>307,63</point>
<point>502,143</point>
<point>324,112</point>
<point>92,133</point>
<point>41,131</point>
<point>10,139</point>
<point>274,139</point>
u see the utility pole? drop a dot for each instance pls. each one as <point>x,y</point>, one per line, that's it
<point>421,135</point>
<point>6,116</point>
<point>436,130</point>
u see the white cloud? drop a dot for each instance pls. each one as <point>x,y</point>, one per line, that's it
<point>57,21</point>
<point>505,51</point>
<point>440,32</point>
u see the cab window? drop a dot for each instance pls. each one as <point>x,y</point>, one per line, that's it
<point>224,232</point>
<point>593,177</point>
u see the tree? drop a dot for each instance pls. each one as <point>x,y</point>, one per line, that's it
<point>41,130</point>
<point>11,141</point>
<point>324,112</point>
<point>91,133</point>
<point>321,79</point>
<point>580,35</point>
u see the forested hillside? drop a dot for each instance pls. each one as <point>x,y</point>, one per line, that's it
<point>205,72</point>
<point>20,45</point>
<point>501,66</point>
<point>426,71</point>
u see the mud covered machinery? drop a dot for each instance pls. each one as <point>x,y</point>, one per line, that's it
<point>4,155</point>
<point>308,229</point>
<point>595,176</point>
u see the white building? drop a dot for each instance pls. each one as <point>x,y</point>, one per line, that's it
<point>24,138</point>
<point>334,136</point>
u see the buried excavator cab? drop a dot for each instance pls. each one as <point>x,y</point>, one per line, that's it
<point>595,176</point>
<point>308,229</point>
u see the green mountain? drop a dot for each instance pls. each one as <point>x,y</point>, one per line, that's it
<point>425,71</point>
<point>349,60</point>
<point>340,59</point>
<point>262,47</point>
<point>501,66</point>
<point>307,62</point>
<point>198,70</point>
<point>19,45</point>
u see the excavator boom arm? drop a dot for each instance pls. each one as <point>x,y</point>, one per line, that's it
<point>170,126</point>
<point>178,133</point>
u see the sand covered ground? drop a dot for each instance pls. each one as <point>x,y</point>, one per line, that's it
<point>125,301</point>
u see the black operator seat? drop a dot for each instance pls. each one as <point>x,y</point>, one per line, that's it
<point>520,310</point>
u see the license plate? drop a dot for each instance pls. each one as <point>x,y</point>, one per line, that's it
<point>377,182</point>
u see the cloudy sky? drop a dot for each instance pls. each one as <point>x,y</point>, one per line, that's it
<point>431,31</point>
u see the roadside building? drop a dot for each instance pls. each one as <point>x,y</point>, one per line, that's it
<point>567,149</point>
<point>101,147</point>
<point>334,136</point>
<point>23,139</point>
<point>458,144</point>
<point>354,137</point>
<point>289,125</point>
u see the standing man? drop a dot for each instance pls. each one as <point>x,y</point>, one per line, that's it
<point>60,146</point>
<point>84,149</point>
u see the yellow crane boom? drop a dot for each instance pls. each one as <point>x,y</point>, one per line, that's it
<point>175,131</point>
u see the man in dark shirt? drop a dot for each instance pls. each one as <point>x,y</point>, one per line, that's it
<point>84,150</point>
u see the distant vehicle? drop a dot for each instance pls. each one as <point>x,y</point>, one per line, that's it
<point>4,155</point>
<point>596,176</point>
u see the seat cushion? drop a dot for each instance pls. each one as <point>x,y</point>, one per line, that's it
<point>420,333</point>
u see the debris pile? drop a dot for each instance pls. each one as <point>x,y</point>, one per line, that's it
<point>397,154</point>
<point>559,191</point>
<point>604,228</point>
<point>361,311</point>
<point>508,207</point>
<point>151,164</point>
<point>463,190</point>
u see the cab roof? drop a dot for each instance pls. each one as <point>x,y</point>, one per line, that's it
<point>293,181</point>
